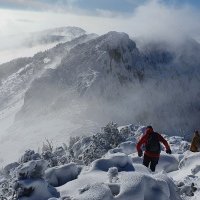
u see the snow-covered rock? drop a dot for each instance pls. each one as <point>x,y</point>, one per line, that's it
<point>139,186</point>
<point>167,163</point>
<point>190,160</point>
<point>32,189</point>
<point>8,169</point>
<point>120,161</point>
<point>28,182</point>
<point>125,147</point>
<point>57,176</point>
<point>32,169</point>
<point>178,144</point>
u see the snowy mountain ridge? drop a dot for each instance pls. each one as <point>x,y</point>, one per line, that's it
<point>79,85</point>
<point>111,66</point>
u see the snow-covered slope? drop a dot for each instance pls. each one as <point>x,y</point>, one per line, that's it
<point>76,86</point>
<point>57,172</point>
<point>16,77</point>
<point>122,82</point>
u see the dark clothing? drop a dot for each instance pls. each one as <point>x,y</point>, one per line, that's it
<point>144,140</point>
<point>150,160</point>
<point>151,157</point>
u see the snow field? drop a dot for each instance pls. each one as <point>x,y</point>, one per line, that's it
<point>115,175</point>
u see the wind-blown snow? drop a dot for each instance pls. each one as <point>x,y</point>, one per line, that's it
<point>74,87</point>
<point>58,176</point>
<point>16,78</point>
<point>29,44</point>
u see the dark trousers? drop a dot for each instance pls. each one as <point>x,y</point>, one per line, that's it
<point>150,161</point>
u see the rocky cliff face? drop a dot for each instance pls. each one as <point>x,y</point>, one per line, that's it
<point>79,85</point>
<point>75,87</point>
<point>117,81</point>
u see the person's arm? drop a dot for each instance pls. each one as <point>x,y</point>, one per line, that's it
<point>162,140</point>
<point>141,142</point>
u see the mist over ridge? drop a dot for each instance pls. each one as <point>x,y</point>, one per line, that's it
<point>80,85</point>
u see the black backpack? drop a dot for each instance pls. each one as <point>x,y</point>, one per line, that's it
<point>153,144</point>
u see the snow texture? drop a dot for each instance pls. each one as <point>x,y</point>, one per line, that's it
<point>118,174</point>
<point>86,80</point>
<point>60,175</point>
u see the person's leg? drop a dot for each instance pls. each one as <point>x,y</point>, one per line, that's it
<point>146,160</point>
<point>154,162</point>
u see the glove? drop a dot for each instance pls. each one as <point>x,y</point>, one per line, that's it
<point>140,153</point>
<point>168,151</point>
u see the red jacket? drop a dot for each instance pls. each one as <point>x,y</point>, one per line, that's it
<point>143,140</point>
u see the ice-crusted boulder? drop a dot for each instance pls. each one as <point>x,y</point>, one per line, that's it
<point>10,168</point>
<point>178,144</point>
<point>57,176</point>
<point>36,189</point>
<point>120,161</point>
<point>30,155</point>
<point>186,189</point>
<point>30,183</point>
<point>139,186</point>
<point>127,147</point>
<point>168,163</point>
<point>190,162</point>
<point>31,169</point>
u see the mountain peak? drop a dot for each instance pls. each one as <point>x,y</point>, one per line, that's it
<point>65,30</point>
<point>114,40</point>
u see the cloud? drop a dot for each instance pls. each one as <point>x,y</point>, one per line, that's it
<point>157,20</point>
<point>26,20</point>
<point>23,4</point>
<point>152,20</point>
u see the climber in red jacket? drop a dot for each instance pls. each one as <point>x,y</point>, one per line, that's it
<point>151,140</point>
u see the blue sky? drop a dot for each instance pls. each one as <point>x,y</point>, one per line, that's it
<point>90,6</point>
